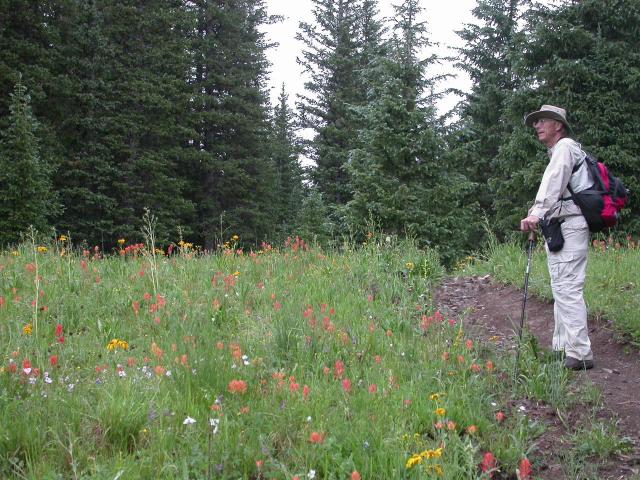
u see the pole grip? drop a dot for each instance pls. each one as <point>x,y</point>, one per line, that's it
<point>532,236</point>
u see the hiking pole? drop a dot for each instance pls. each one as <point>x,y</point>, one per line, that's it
<point>532,241</point>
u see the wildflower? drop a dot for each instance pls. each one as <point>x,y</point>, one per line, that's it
<point>121,241</point>
<point>27,329</point>
<point>237,386</point>
<point>189,421</point>
<point>410,265</point>
<point>26,366</point>
<point>53,360</point>
<point>436,396</point>
<point>373,388</point>
<point>413,461</point>
<point>472,429</point>
<point>316,437</point>
<point>42,249</point>
<point>214,423</point>
<point>500,416</point>
<point>306,391</point>
<point>441,412</point>
<point>59,330</point>
<point>525,471</point>
<point>311,475</point>
<point>235,238</point>
<point>489,365</point>
<point>259,464</point>
<point>339,369</point>
<point>488,464</point>
<point>451,425</point>
<point>346,385</point>
<point>476,368</point>
<point>469,344</point>
<point>15,253</point>
<point>378,359</point>
<point>116,344</point>
<point>63,238</point>
<point>355,475</point>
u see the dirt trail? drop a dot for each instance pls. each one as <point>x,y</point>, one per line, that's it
<point>495,309</point>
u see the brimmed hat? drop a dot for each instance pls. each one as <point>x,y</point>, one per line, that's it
<point>548,111</point>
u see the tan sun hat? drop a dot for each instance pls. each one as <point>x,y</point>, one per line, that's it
<point>548,111</point>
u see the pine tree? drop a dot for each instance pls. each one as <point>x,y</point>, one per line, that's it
<point>27,198</point>
<point>289,188</point>
<point>330,58</point>
<point>233,177</point>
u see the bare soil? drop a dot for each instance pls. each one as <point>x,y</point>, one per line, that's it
<point>493,310</point>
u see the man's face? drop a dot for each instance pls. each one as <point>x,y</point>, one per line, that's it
<point>547,130</point>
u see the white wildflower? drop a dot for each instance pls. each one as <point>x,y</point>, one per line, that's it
<point>189,421</point>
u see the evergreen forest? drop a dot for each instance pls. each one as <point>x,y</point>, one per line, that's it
<point>110,108</point>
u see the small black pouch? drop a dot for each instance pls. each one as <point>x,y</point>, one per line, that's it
<point>552,231</point>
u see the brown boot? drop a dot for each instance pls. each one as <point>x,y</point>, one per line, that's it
<point>575,364</point>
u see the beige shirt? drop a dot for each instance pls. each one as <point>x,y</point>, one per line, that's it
<point>564,155</point>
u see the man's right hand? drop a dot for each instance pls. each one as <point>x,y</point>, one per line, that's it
<point>529,224</point>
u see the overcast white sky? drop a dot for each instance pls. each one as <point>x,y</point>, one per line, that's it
<point>443,19</point>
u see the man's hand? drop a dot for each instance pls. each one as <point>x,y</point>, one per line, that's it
<point>529,224</point>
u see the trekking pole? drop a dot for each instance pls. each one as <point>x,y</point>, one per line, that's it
<point>532,241</point>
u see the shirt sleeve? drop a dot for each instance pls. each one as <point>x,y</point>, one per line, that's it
<point>554,180</point>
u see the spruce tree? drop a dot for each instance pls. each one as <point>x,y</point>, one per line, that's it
<point>232,174</point>
<point>285,148</point>
<point>398,176</point>
<point>330,59</point>
<point>27,199</point>
<point>488,57</point>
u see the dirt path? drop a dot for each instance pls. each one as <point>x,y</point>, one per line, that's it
<point>494,310</point>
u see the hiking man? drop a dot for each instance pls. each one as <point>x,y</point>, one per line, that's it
<point>567,266</point>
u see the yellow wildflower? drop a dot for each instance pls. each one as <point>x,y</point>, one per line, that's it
<point>235,238</point>
<point>236,274</point>
<point>410,265</point>
<point>27,329</point>
<point>159,251</point>
<point>413,461</point>
<point>441,412</point>
<point>116,344</point>
<point>15,253</point>
<point>437,468</point>
<point>121,241</point>
<point>42,249</point>
<point>436,396</point>
<point>63,238</point>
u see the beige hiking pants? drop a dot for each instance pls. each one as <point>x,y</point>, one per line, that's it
<point>567,269</point>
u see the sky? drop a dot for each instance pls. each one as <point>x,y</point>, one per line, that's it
<point>443,19</point>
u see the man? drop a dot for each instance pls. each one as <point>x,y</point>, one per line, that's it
<point>568,266</point>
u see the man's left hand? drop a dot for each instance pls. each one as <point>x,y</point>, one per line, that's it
<point>529,224</point>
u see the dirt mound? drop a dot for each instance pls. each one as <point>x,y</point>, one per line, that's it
<point>494,310</point>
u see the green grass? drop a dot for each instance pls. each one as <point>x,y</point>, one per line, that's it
<point>611,289</point>
<point>274,364</point>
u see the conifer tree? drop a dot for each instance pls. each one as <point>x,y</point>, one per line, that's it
<point>27,198</point>
<point>330,59</point>
<point>289,188</point>
<point>233,176</point>
<point>488,57</point>
<point>397,171</point>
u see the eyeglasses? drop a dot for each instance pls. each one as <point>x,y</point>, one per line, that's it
<point>541,121</point>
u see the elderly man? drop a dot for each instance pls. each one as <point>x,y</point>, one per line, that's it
<point>567,267</point>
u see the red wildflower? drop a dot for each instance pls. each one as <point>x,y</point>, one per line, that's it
<point>316,437</point>
<point>2,301</point>
<point>489,365</point>
<point>373,388</point>
<point>355,475</point>
<point>476,368</point>
<point>378,359</point>
<point>306,391</point>
<point>13,368</point>
<point>346,385</point>
<point>59,330</point>
<point>489,464</point>
<point>237,386</point>
<point>500,416</point>
<point>469,344</point>
<point>339,369</point>
<point>525,472</point>
<point>136,307</point>
<point>53,360</point>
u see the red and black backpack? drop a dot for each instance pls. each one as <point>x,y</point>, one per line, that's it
<point>601,203</point>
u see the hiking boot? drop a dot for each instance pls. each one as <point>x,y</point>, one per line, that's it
<point>575,364</point>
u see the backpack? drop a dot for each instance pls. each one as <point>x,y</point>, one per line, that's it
<point>601,203</point>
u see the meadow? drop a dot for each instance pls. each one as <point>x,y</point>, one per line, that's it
<point>289,362</point>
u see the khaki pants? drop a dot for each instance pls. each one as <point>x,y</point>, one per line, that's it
<point>567,269</point>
